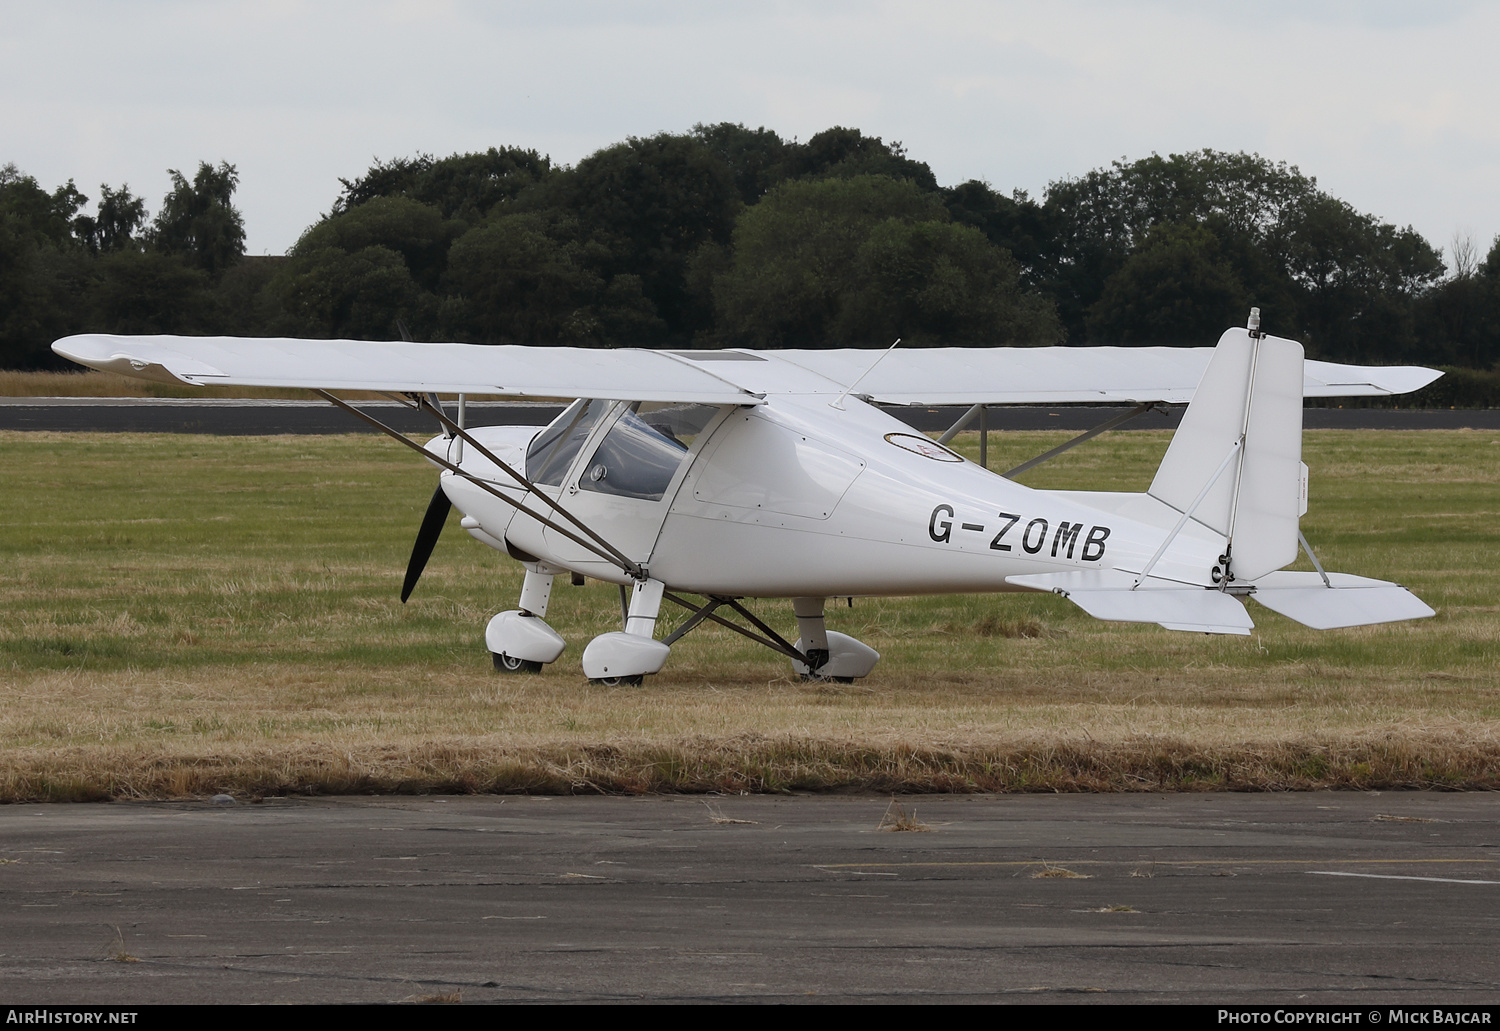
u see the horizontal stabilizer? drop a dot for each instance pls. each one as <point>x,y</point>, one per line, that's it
<point>1108,594</point>
<point>1350,601</point>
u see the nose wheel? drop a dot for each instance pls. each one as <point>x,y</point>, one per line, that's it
<point>510,664</point>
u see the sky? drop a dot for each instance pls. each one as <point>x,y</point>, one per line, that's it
<point>1392,107</point>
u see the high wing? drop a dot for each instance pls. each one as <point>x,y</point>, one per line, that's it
<point>925,376</point>
<point>506,370</point>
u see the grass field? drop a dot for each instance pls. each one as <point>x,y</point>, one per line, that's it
<point>182,615</point>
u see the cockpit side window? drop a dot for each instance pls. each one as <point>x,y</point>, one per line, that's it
<point>644,448</point>
<point>552,451</point>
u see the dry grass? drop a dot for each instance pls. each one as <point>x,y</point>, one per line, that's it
<point>1048,870</point>
<point>716,816</point>
<point>754,763</point>
<point>896,818</point>
<point>188,616</point>
<point>117,953</point>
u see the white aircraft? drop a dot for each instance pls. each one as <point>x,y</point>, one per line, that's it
<point>737,473</point>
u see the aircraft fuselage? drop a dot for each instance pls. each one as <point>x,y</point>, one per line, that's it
<point>795,497</point>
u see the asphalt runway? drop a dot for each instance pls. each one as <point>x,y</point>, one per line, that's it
<point>1274,899</point>
<point>251,417</point>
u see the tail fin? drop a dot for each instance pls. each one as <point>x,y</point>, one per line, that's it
<point>1235,466</point>
<point>1249,401</point>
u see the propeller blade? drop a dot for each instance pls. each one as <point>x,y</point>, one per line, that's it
<point>427,536</point>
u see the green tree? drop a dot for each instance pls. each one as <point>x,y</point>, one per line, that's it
<point>1102,217</point>
<point>1016,223</point>
<point>463,186</point>
<point>246,302</point>
<point>358,295</point>
<point>936,283</point>
<point>651,203</point>
<point>121,216</point>
<point>38,215</point>
<point>520,285</point>
<point>1458,319</point>
<point>755,157</point>
<point>1175,289</point>
<point>843,152</point>
<point>1342,282</point>
<point>44,270</point>
<point>1357,280</point>
<point>793,262</point>
<point>199,222</point>
<point>414,230</point>
<point>151,292</point>
<point>525,278</point>
<point>367,272</point>
<point>855,261</point>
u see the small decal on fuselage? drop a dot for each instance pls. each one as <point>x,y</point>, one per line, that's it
<point>1034,539</point>
<point>924,446</point>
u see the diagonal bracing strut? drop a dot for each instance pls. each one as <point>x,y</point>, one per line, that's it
<point>455,430</point>
<point>772,640</point>
<point>612,555</point>
<point>1103,427</point>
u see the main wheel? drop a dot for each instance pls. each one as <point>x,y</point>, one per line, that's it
<point>510,664</point>
<point>817,678</point>
<point>634,681</point>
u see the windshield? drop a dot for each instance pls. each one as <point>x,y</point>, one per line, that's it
<point>643,449</point>
<point>553,449</point>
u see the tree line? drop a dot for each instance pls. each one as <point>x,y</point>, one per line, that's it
<point>729,236</point>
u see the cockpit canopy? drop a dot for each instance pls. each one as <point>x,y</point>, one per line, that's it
<point>638,455</point>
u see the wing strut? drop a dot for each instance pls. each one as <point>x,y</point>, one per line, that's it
<point>458,431</point>
<point>963,420</point>
<point>611,555</point>
<point>1103,427</point>
<point>984,431</point>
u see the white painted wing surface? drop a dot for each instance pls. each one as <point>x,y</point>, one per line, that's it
<point>1067,375</point>
<point>927,376</point>
<point>506,369</point>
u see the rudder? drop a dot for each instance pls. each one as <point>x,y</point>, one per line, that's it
<point>1249,400</point>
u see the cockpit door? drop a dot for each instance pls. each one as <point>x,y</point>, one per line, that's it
<point>630,461</point>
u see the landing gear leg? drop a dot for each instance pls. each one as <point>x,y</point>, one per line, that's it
<point>832,656</point>
<point>814,640</point>
<point>520,641</point>
<point>625,657</point>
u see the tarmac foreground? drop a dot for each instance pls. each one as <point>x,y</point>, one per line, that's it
<point>1378,900</point>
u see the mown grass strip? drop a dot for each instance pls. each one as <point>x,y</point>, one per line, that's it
<point>187,615</point>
